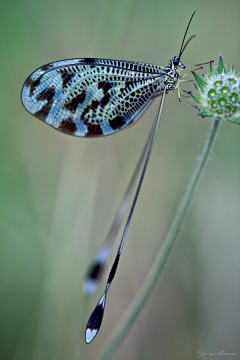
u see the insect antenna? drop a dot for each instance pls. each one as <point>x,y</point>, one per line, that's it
<point>183,48</point>
<point>191,37</point>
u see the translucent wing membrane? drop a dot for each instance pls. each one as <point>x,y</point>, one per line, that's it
<point>91,97</point>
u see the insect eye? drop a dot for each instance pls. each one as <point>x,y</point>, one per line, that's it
<point>175,60</point>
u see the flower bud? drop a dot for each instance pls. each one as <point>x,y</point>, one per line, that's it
<point>219,93</point>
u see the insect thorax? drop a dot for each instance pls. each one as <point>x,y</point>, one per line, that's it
<point>173,73</point>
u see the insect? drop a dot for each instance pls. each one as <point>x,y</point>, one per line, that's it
<point>97,97</point>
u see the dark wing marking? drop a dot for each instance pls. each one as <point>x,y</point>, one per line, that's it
<point>91,97</point>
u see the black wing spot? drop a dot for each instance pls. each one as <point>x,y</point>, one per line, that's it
<point>94,130</point>
<point>105,86</point>
<point>90,60</point>
<point>66,78</point>
<point>117,123</point>
<point>46,94</point>
<point>29,82</point>
<point>73,103</point>
<point>33,84</point>
<point>105,100</point>
<point>87,61</point>
<point>68,126</point>
<point>94,104</point>
<point>46,67</point>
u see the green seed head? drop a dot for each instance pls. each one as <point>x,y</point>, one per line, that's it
<point>219,93</point>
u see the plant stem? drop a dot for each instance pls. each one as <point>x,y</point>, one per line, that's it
<point>164,253</point>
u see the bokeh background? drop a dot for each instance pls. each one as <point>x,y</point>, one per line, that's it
<point>59,193</point>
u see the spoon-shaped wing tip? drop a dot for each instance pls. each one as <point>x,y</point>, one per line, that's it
<point>95,320</point>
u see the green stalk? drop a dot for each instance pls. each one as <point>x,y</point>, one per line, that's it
<point>163,255</point>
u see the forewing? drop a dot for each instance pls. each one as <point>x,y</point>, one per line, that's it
<point>91,97</point>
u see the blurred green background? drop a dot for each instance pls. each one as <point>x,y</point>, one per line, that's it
<point>59,193</point>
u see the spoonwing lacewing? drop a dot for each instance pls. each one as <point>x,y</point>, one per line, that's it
<point>90,97</point>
